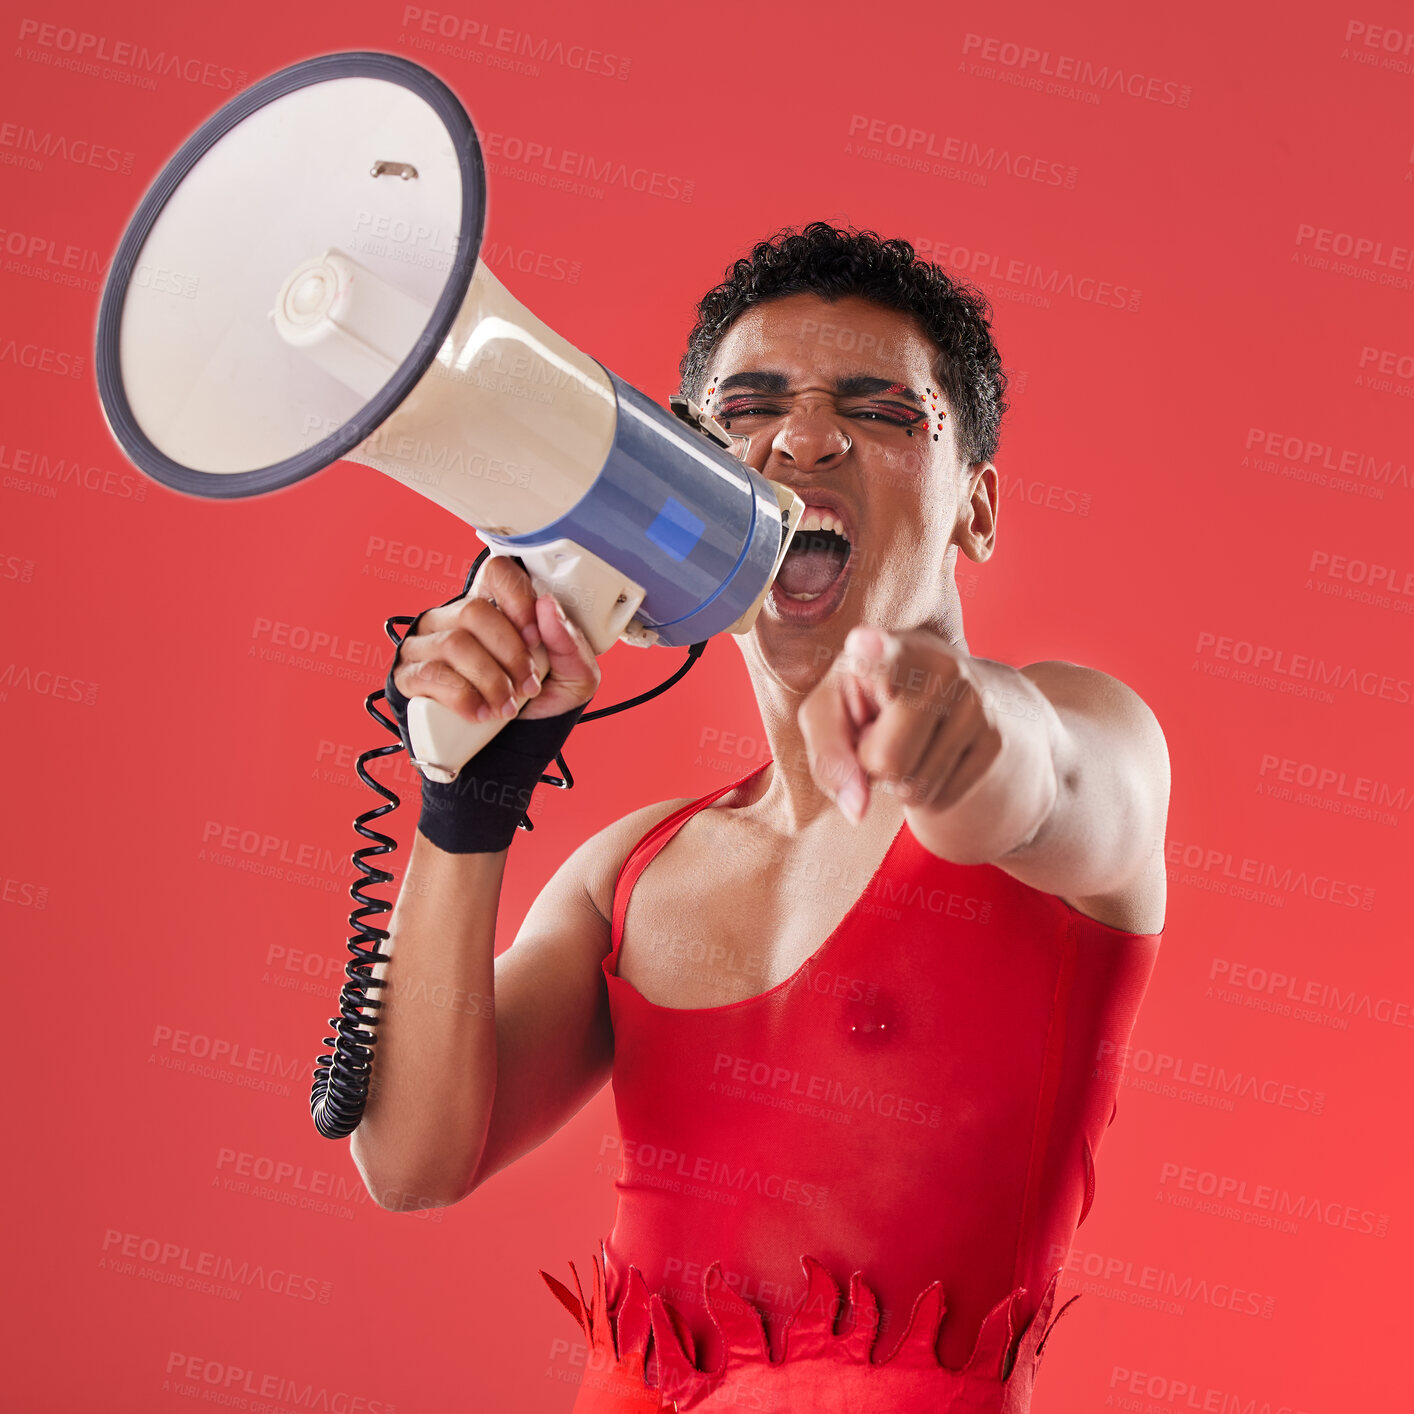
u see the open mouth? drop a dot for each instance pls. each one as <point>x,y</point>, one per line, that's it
<point>815,559</point>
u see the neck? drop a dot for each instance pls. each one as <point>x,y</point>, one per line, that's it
<point>785,797</point>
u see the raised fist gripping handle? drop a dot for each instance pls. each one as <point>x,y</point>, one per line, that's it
<point>443,741</point>
<point>464,664</point>
<point>597,598</point>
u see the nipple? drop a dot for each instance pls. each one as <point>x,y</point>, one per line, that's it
<point>872,1022</point>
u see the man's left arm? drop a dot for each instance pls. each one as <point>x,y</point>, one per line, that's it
<point>1100,748</point>
<point>1056,773</point>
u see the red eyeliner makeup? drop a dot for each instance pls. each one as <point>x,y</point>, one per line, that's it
<point>932,415</point>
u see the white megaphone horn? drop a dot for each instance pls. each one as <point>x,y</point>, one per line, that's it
<point>302,283</point>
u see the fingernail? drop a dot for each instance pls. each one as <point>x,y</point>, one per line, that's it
<point>530,686</point>
<point>510,709</point>
<point>483,713</point>
<point>866,641</point>
<point>851,800</point>
<point>531,634</point>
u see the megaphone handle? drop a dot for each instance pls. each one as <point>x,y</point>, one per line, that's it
<point>443,741</point>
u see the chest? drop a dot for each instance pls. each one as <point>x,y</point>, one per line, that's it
<point>719,916</point>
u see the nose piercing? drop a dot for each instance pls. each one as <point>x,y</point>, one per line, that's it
<point>848,443</point>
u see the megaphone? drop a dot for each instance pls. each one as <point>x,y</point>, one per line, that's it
<point>302,284</point>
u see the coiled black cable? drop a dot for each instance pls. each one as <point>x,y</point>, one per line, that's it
<point>342,1077</point>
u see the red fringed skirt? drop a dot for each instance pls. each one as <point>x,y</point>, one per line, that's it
<point>641,1357</point>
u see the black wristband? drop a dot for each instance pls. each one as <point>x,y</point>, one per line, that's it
<point>480,811</point>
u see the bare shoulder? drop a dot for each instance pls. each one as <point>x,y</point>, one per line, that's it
<point>1104,854</point>
<point>1100,696</point>
<point>569,921</point>
<point>597,862</point>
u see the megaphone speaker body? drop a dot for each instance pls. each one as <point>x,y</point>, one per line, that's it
<point>327,226</point>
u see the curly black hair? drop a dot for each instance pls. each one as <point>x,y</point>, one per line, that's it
<point>832,262</point>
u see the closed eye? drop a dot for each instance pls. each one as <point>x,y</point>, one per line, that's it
<point>895,416</point>
<point>900,417</point>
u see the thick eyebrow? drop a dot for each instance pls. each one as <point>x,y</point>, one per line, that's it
<point>862,385</point>
<point>856,385</point>
<point>763,381</point>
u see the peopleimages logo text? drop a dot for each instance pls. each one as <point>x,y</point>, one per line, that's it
<point>586,167</point>
<point>123,54</point>
<point>1108,78</point>
<point>1265,657</point>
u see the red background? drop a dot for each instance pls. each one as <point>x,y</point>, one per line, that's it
<point>1146,529</point>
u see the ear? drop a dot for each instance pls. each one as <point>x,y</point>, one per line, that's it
<point>976,531</point>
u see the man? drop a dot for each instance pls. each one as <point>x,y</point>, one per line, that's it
<point>911,1106</point>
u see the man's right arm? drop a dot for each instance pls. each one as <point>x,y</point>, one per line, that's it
<point>479,1058</point>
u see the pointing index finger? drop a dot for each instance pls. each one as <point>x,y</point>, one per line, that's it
<point>830,734</point>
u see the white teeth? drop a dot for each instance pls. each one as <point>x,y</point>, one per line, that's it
<point>820,520</point>
<point>815,519</point>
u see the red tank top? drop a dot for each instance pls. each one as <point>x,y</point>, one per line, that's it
<point>913,1114</point>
